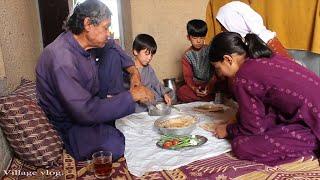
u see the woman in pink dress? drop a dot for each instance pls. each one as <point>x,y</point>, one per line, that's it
<point>279,103</point>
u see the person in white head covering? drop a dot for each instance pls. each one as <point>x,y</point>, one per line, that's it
<point>239,17</point>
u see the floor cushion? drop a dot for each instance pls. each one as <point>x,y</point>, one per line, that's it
<point>28,131</point>
<point>27,88</point>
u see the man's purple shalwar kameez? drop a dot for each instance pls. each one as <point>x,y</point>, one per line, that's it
<point>112,64</point>
<point>67,85</point>
<point>279,111</point>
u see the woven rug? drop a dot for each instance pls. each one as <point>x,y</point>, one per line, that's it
<point>222,167</point>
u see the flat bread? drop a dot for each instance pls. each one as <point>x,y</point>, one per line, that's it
<point>177,122</point>
<point>208,126</point>
<point>209,108</point>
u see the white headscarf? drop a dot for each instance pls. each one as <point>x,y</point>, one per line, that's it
<point>239,17</point>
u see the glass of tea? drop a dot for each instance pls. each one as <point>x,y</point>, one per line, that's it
<point>102,164</point>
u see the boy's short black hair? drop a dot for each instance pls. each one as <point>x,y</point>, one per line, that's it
<point>144,41</point>
<point>197,28</point>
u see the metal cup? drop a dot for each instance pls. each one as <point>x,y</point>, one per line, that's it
<point>218,98</point>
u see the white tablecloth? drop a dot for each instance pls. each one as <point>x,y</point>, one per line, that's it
<point>142,154</point>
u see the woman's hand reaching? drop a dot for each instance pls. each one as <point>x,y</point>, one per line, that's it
<point>220,131</point>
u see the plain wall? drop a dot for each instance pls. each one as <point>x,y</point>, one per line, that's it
<point>20,46</point>
<point>166,21</point>
<point>20,41</point>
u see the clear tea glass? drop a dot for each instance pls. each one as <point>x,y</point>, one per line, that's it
<point>102,164</point>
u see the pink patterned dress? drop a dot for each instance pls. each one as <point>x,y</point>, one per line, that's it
<point>279,111</point>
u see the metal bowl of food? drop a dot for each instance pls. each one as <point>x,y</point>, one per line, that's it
<point>177,124</point>
<point>160,109</point>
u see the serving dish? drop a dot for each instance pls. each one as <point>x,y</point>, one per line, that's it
<point>174,142</point>
<point>159,109</point>
<point>177,124</point>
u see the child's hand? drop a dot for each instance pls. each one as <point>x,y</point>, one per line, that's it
<point>202,92</point>
<point>220,131</point>
<point>167,99</point>
<point>206,90</point>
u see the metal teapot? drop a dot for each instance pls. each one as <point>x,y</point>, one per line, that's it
<point>171,83</point>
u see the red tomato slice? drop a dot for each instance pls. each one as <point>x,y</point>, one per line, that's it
<point>175,142</point>
<point>167,144</point>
